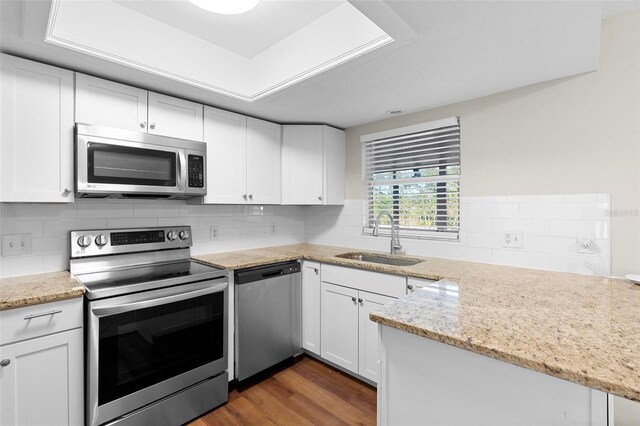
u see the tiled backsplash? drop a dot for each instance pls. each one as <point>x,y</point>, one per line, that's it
<point>239,227</point>
<point>550,225</point>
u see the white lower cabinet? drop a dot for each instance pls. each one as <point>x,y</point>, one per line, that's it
<point>368,334</point>
<point>349,339</point>
<point>41,377</point>
<point>339,326</point>
<point>311,306</point>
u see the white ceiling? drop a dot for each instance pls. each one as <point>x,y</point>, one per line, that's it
<point>444,52</point>
<point>247,34</point>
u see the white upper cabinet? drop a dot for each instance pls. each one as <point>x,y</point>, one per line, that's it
<point>264,142</point>
<point>106,103</point>
<point>313,165</point>
<point>175,117</point>
<point>225,134</point>
<point>36,139</point>
<point>243,159</point>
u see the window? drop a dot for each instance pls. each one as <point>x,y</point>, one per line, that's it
<point>413,173</point>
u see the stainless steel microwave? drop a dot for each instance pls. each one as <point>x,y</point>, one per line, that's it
<point>123,164</point>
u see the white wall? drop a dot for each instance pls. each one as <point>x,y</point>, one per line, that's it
<point>240,227</point>
<point>578,135</point>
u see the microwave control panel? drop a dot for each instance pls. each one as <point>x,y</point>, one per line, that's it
<point>195,165</point>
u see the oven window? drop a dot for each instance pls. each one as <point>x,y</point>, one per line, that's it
<point>140,348</point>
<point>130,166</point>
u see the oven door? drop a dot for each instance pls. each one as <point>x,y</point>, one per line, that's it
<point>112,166</point>
<point>146,346</point>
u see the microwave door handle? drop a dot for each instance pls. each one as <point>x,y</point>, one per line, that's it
<point>126,307</point>
<point>182,171</point>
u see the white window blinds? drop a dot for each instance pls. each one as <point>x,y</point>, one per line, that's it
<point>414,174</point>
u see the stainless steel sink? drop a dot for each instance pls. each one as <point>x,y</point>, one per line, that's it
<point>381,258</point>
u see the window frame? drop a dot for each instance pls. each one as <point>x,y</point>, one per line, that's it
<point>407,232</point>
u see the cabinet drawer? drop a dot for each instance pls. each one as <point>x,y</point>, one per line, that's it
<point>374,282</point>
<point>39,320</point>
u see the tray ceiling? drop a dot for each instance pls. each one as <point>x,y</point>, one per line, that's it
<point>247,56</point>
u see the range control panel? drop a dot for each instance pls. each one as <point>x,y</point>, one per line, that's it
<point>117,241</point>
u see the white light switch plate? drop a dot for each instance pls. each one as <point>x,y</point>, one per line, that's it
<point>16,244</point>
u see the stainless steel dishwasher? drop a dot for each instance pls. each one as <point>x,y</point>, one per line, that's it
<point>268,316</point>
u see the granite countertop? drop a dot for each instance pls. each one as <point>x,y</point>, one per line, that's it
<point>27,290</point>
<point>581,328</point>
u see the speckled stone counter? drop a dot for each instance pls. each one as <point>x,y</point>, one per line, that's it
<point>580,328</point>
<point>40,288</point>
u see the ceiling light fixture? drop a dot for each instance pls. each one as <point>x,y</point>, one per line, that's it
<point>226,7</point>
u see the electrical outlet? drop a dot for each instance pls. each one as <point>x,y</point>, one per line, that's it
<point>16,244</point>
<point>586,244</point>
<point>213,232</point>
<point>512,239</point>
<point>273,228</point>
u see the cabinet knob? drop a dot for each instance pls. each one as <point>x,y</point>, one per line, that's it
<point>410,287</point>
<point>353,299</point>
<point>320,197</point>
<point>66,192</point>
<point>359,299</point>
<point>5,362</point>
<point>152,126</point>
<point>251,196</point>
<point>143,124</point>
<point>316,270</point>
<point>244,196</point>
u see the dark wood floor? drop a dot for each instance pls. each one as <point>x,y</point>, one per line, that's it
<point>304,392</point>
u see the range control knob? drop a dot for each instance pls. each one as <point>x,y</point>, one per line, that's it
<point>184,235</point>
<point>102,240</point>
<point>84,241</point>
<point>172,235</point>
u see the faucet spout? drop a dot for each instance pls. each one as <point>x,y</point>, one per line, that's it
<point>396,247</point>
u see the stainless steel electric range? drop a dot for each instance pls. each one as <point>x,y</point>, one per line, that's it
<point>156,326</point>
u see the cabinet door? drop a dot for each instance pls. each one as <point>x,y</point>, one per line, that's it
<point>42,384</point>
<point>302,159</point>
<point>333,165</point>
<point>175,117</point>
<point>368,334</point>
<point>264,172</point>
<point>311,306</point>
<point>106,103</point>
<point>36,139</point>
<point>225,134</point>
<point>339,325</point>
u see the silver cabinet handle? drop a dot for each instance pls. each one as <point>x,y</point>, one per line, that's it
<point>251,196</point>
<point>5,362</point>
<point>320,197</point>
<point>244,196</point>
<point>44,314</point>
<point>143,124</point>
<point>66,192</point>
<point>359,299</point>
<point>409,287</point>
<point>353,299</point>
<point>316,270</point>
<point>152,126</point>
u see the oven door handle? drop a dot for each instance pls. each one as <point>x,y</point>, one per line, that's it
<point>125,307</point>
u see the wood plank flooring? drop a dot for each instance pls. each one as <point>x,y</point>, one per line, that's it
<point>303,392</point>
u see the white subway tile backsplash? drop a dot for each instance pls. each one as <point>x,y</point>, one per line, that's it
<point>549,224</point>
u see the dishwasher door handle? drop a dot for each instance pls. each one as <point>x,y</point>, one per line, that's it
<point>272,274</point>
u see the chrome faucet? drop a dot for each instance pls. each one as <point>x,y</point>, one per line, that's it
<point>396,247</point>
